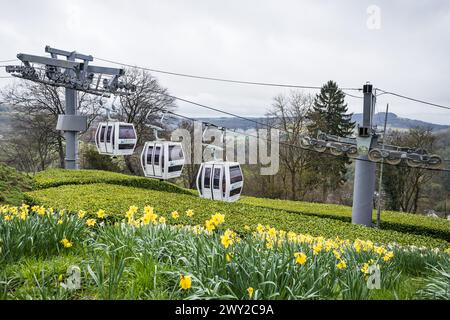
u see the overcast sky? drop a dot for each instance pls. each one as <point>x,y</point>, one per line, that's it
<point>406,50</point>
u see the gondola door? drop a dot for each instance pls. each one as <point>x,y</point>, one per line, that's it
<point>148,160</point>
<point>101,136</point>
<point>158,160</point>
<point>206,181</point>
<point>109,138</point>
<point>217,182</point>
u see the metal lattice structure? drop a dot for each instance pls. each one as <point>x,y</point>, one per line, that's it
<point>74,73</point>
<point>367,148</point>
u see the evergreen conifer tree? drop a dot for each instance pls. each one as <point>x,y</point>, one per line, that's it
<point>330,115</point>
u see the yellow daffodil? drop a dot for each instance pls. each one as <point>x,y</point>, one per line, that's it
<point>218,219</point>
<point>101,214</point>
<point>260,228</point>
<point>185,282</point>
<point>272,232</point>
<point>175,215</point>
<point>341,265</point>
<point>317,248</point>
<point>162,220</point>
<point>300,258</point>
<point>365,268</point>
<point>229,256</point>
<point>81,214</point>
<point>250,291</point>
<point>226,241</point>
<point>337,254</point>
<point>388,256</point>
<point>148,210</point>
<point>209,225</point>
<point>40,211</point>
<point>66,243</point>
<point>91,222</point>
<point>60,221</point>
<point>190,213</point>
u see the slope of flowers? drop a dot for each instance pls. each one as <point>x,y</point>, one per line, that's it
<point>158,260</point>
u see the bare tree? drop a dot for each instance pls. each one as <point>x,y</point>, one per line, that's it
<point>404,186</point>
<point>289,114</point>
<point>34,101</point>
<point>143,106</point>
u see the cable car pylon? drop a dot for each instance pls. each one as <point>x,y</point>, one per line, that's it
<point>74,73</point>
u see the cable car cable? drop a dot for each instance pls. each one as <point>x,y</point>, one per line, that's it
<point>415,100</point>
<point>269,84</point>
<point>298,147</point>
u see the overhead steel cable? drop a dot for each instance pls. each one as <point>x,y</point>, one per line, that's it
<point>11,60</point>
<point>257,83</point>
<point>269,127</point>
<point>414,99</point>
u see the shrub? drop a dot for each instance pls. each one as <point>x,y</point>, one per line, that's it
<point>13,184</point>
<point>117,200</point>
<point>390,220</point>
<point>59,177</point>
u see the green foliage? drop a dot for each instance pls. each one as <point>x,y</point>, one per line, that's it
<point>116,200</point>
<point>34,236</point>
<point>93,160</point>
<point>122,261</point>
<point>390,220</point>
<point>59,177</point>
<point>12,185</point>
<point>438,284</point>
<point>329,115</point>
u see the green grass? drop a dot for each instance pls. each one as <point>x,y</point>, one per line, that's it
<point>13,184</point>
<point>117,199</point>
<point>58,177</point>
<point>397,221</point>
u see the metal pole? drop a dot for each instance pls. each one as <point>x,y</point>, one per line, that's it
<point>364,183</point>
<point>380,182</point>
<point>71,160</point>
<point>71,136</point>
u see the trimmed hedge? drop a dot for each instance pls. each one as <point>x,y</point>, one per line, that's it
<point>59,177</point>
<point>117,199</point>
<point>12,185</point>
<point>390,220</point>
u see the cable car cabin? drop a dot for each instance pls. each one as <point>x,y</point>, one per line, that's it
<point>220,180</point>
<point>162,159</point>
<point>115,138</point>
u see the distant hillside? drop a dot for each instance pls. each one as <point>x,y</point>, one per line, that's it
<point>397,122</point>
<point>394,122</point>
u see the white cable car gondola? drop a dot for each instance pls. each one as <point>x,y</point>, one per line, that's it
<point>115,138</point>
<point>220,180</point>
<point>162,159</point>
